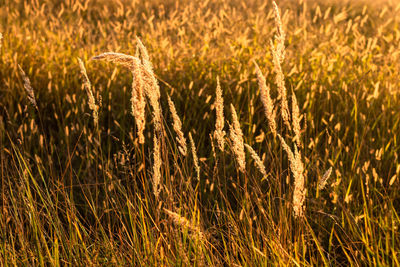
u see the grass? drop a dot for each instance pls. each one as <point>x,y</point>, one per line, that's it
<point>76,192</point>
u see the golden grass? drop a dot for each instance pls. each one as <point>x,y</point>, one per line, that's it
<point>156,177</point>
<point>266,100</point>
<point>89,92</point>
<point>315,184</point>
<point>236,136</point>
<point>177,125</point>
<point>195,158</point>
<point>219,121</point>
<point>258,162</point>
<point>28,87</point>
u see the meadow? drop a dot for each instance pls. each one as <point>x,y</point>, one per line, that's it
<point>199,133</point>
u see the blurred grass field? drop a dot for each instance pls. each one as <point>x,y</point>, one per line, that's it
<point>76,193</point>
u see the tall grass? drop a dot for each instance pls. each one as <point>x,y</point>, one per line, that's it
<point>98,172</point>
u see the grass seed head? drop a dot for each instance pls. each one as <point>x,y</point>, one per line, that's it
<point>156,165</point>
<point>324,179</point>
<point>278,55</point>
<point>299,194</point>
<point>88,87</point>
<point>296,120</point>
<point>186,225</point>
<point>266,100</point>
<point>177,125</point>
<point>117,58</point>
<point>195,158</point>
<point>297,169</point>
<point>150,84</point>
<point>138,103</point>
<point>152,89</point>
<point>219,123</point>
<point>259,164</point>
<point>28,87</point>
<point>280,36</point>
<point>236,136</point>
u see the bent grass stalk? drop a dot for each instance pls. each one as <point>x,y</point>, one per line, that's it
<point>151,87</point>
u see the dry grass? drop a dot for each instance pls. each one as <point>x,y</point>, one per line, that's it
<point>219,121</point>
<point>88,88</point>
<point>28,87</point>
<point>156,166</point>
<point>83,182</point>
<point>266,100</point>
<point>177,125</point>
<point>258,162</point>
<point>236,136</point>
<point>195,158</point>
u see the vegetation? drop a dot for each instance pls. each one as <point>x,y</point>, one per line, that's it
<point>234,133</point>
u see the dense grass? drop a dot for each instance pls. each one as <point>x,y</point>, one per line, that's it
<point>77,193</point>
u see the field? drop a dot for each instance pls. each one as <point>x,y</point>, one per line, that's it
<point>199,133</point>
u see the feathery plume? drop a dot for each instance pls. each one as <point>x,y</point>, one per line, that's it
<point>148,66</point>
<point>117,58</point>
<point>299,194</point>
<point>156,166</point>
<point>151,86</point>
<point>219,124</point>
<point>130,62</point>
<point>278,54</point>
<point>145,54</point>
<point>266,100</point>
<point>324,179</point>
<point>280,83</point>
<point>154,97</point>
<point>138,103</point>
<point>296,120</point>
<point>137,51</point>
<point>236,136</point>
<point>89,92</point>
<point>280,36</point>
<point>297,168</point>
<point>177,125</point>
<point>195,159</point>
<point>186,225</point>
<point>259,164</point>
<point>150,83</point>
<point>28,87</point>
<point>286,148</point>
